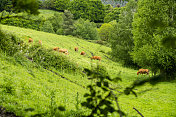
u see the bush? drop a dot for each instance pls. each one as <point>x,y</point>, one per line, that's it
<point>93,10</point>
<point>57,22</point>
<point>47,27</point>
<point>121,36</point>
<point>85,29</point>
<point>24,21</point>
<point>50,59</point>
<point>61,5</point>
<point>68,23</point>
<point>9,43</point>
<point>113,15</point>
<point>104,31</point>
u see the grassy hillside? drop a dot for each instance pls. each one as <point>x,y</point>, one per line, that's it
<point>32,86</point>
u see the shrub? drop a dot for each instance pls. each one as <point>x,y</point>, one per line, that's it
<point>47,27</point>
<point>85,29</point>
<point>25,21</point>
<point>68,23</point>
<point>93,10</point>
<point>104,31</point>
<point>61,5</point>
<point>57,22</point>
<point>113,15</point>
<point>9,43</point>
<point>50,59</point>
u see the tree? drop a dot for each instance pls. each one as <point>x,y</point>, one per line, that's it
<point>85,29</point>
<point>105,31</point>
<point>61,5</point>
<point>6,5</point>
<point>30,6</point>
<point>96,11</point>
<point>113,15</point>
<point>155,21</point>
<point>93,10</point>
<point>56,21</point>
<point>68,23</point>
<point>47,27</point>
<point>121,36</point>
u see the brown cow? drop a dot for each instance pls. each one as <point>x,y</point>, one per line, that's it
<point>30,40</point>
<point>76,49</point>
<point>56,48</point>
<point>143,71</point>
<point>63,50</point>
<point>82,53</point>
<point>40,42</point>
<point>96,58</point>
<point>66,53</point>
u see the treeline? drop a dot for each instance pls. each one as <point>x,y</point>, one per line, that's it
<point>78,20</point>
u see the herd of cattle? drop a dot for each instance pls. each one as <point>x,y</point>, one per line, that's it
<point>65,51</point>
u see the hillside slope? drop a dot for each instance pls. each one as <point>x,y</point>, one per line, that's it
<point>28,86</point>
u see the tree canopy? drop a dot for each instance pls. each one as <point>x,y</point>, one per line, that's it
<point>155,21</point>
<point>30,6</point>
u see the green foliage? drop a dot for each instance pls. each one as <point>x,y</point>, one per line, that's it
<point>113,15</point>
<point>9,43</point>
<point>88,9</point>
<point>61,5</point>
<point>21,20</point>
<point>30,6</point>
<point>47,27</point>
<point>101,97</point>
<point>79,8</point>
<point>104,31</point>
<point>153,23</point>
<point>85,29</point>
<point>6,5</point>
<point>108,9</point>
<point>121,36</point>
<point>68,23</point>
<point>48,4</point>
<point>96,11</point>
<point>57,22</point>
<point>31,89</point>
<point>49,59</point>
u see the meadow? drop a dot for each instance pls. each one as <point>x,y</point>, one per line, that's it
<point>28,89</point>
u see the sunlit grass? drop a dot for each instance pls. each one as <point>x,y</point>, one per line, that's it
<point>152,101</point>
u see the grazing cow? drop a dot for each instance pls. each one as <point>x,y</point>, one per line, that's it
<point>96,58</point>
<point>76,49</point>
<point>63,50</point>
<point>56,48</point>
<point>30,40</point>
<point>40,42</point>
<point>143,71</point>
<point>82,53</point>
<point>66,53</point>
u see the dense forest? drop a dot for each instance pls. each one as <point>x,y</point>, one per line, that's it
<point>133,34</point>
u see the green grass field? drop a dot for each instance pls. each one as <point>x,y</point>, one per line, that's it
<point>33,86</point>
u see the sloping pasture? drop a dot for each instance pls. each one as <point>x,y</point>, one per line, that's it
<point>152,101</point>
